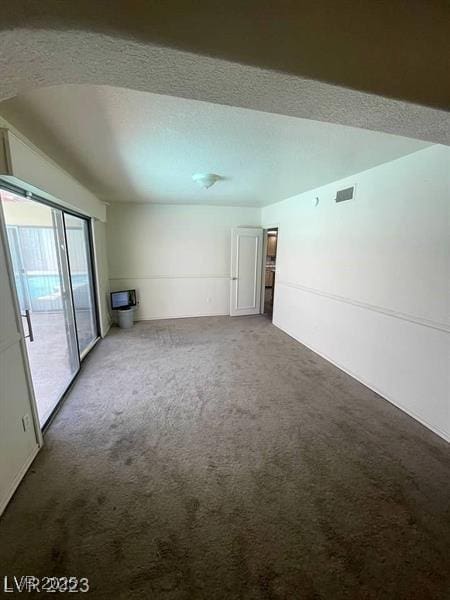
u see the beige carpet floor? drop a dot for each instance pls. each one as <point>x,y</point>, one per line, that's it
<point>217,458</point>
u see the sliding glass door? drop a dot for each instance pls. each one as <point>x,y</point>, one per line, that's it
<point>56,303</point>
<point>80,261</point>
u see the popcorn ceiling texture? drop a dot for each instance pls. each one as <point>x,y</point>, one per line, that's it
<point>105,135</point>
<point>390,48</point>
<point>33,58</point>
<point>219,459</point>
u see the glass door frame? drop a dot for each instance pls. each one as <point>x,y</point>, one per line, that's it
<point>91,275</point>
<point>19,191</point>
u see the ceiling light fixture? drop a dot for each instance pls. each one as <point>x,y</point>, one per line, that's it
<point>206,180</point>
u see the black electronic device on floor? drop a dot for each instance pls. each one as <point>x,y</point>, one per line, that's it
<point>123,299</point>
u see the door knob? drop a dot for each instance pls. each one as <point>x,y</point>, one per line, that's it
<point>233,278</point>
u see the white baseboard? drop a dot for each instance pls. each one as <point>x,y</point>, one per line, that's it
<point>18,478</point>
<point>440,432</point>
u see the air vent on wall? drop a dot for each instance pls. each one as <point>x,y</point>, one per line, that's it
<point>345,194</point>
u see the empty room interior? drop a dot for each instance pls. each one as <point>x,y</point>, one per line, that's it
<point>224,324</point>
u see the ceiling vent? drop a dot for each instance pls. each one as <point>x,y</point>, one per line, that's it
<point>345,194</point>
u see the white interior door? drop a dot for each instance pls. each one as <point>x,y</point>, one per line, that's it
<point>246,269</point>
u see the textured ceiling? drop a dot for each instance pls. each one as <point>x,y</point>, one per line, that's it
<point>37,58</point>
<point>135,146</point>
<point>393,48</point>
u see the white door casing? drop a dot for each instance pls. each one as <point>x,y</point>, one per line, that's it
<point>246,269</point>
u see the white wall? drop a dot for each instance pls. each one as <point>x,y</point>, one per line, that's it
<point>177,257</point>
<point>25,165</point>
<point>365,283</point>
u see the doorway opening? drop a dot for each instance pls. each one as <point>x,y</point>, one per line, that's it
<point>270,262</point>
<point>51,263</point>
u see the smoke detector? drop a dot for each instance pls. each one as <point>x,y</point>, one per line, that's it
<point>206,180</point>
